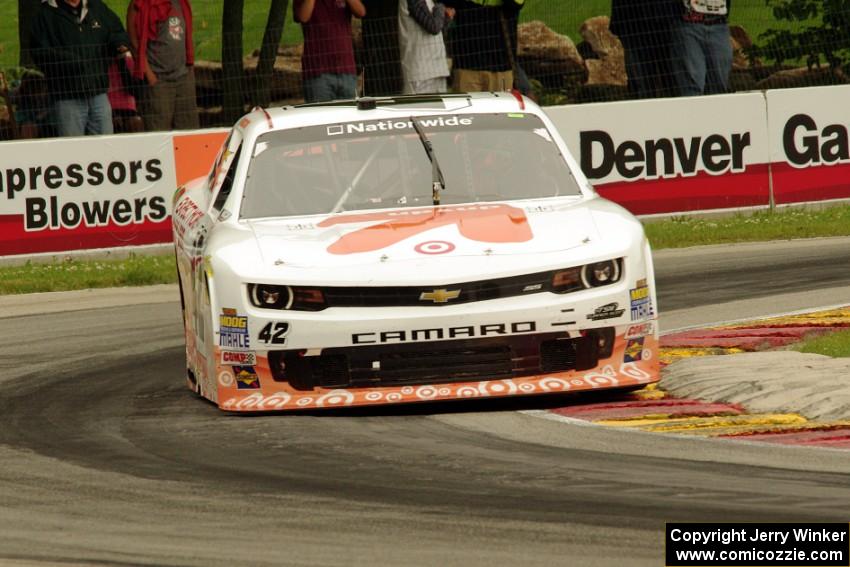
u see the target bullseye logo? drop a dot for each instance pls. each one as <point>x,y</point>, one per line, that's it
<point>432,247</point>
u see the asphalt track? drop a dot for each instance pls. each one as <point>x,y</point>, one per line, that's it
<point>106,459</point>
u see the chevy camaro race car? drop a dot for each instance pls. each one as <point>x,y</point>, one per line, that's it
<point>407,249</point>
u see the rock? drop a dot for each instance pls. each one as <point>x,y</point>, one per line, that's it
<point>600,39</point>
<point>286,76</point>
<point>804,77</point>
<point>208,75</point>
<point>600,93</point>
<point>285,79</point>
<point>549,57</point>
<point>609,66</point>
<point>741,42</point>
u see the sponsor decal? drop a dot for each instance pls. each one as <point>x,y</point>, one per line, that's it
<point>641,330</point>
<point>439,295</point>
<point>716,154</point>
<point>390,125</point>
<point>238,358</point>
<point>634,350</point>
<point>434,247</point>
<point>246,378</point>
<point>540,209</point>
<point>233,329</point>
<point>481,223</point>
<point>641,302</point>
<point>805,145</point>
<point>187,213</point>
<point>440,333</point>
<point>607,311</point>
<point>300,226</point>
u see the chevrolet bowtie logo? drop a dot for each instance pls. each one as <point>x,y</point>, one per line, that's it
<point>439,295</point>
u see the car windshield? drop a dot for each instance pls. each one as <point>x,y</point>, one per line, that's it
<point>382,164</point>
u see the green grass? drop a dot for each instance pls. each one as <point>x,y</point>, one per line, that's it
<point>674,233</point>
<point>835,344</point>
<point>562,16</point>
<point>679,232</point>
<point>85,274</point>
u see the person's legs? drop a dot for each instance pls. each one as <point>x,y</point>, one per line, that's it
<point>687,58</point>
<point>158,107</point>
<point>70,115</point>
<point>319,89</point>
<point>639,67</point>
<point>185,103</point>
<point>497,81</point>
<point>99,116</point>
<point>436,85</point>
<point>718,53</point>
<point>469,80</point>
<point>661,65</point>
<point>344,86</point>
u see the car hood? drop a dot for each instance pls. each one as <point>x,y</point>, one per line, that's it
<point>427,243</point>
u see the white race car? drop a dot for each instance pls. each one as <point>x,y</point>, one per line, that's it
<point>407,249</point>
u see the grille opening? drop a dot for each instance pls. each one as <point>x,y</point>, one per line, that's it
<point>437,362</point>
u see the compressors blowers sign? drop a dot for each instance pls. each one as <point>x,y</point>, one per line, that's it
<point>93,192</point>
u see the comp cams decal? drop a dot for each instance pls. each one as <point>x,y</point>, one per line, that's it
<point>238,358</point>
<point>640,330</point>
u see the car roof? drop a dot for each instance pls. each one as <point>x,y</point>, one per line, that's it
<point>261,120</point>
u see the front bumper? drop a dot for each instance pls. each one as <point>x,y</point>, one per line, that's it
<point>444,370</point>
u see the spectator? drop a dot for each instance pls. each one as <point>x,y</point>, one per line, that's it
<point>125,116</point>
<point>643,27</point>
<point>424,66</point>
<point>73,43</point>
<point>481,47</point>
<point>327,65</point>
<point>28,105</point>
<point>161,36</point>
<point>701,52</point>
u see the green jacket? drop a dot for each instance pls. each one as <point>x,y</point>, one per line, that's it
<point>75,55</point>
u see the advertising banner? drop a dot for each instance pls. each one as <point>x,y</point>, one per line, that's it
<point>96,192</point>
<point>79,193</point>
<point>809,144</point>
<point>671,155</point>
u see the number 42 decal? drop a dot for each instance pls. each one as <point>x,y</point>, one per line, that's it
<point>274,333</point>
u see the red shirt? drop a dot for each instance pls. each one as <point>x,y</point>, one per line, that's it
<point>328,45</point>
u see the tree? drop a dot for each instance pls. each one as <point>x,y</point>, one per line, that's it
<point>268,51</point>
<point>231,60</point>
<point>821,32</point>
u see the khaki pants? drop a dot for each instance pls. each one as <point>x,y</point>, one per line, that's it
<point>170,105</point>
<point>468,80</point>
